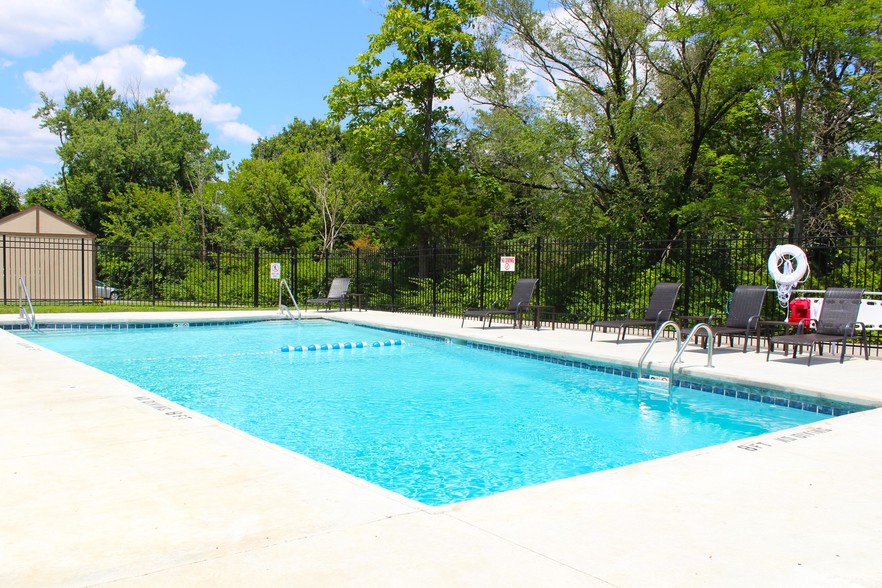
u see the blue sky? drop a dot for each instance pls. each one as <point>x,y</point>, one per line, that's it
<point>246,70</point>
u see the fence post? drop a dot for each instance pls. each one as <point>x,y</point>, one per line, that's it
<point>434,278</point>
<point>607,263</point>
<point>294,271</point>
<point>538,269</point>
<point>256,277</point>
<point>83,269</point>
<point>392,263</point>
<point>358,269</point>
<point>483,265</point>
<point>153,272</point>
<point>5,301</point>
<point>219,257</point>
<point>688,276</point>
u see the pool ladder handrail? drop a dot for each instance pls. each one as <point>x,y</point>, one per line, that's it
<point>284,309</point>
<point>30,317</point>
<point>655,337</point>
<point>681,347</point>
<point>710,349</point>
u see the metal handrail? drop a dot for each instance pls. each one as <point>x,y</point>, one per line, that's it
<point>655,337</point>
<point>710,349</point>
<point>31,317</point>
<point>282,307</point>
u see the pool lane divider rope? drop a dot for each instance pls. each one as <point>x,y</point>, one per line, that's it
<point>349,345</point>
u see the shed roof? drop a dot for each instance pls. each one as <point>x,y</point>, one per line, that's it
<point>37,221</point>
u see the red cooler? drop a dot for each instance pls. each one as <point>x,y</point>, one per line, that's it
<point>801,311</point>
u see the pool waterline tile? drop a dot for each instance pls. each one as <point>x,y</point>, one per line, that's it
<point>784,399</point>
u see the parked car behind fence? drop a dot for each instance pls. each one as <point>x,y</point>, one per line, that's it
<point>106,291</point>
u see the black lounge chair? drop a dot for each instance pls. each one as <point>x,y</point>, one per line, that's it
<point>743,315</point>
<point>520,301</point>
<point>336,293</point>
<point>837,324</point>
<point>661,307</point>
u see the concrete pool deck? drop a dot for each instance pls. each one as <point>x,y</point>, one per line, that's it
<point>106,484</point>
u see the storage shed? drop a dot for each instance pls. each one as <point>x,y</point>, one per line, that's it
<point>56,257</point>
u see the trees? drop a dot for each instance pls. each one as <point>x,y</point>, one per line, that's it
<point>396,111</point>
<point>108,144</point>
<point>9,199</point>
<point>300,188</point>
<point>339,191</point>
<point>820,97</point>
<point>267,203</point>
<point>701,113</point>
<point>657,117</point>
<point>592,53</point>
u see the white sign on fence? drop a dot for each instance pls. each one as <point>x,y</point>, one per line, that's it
<point>506,264</point>
<point>275,271</point>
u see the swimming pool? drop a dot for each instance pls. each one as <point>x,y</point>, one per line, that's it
<point>435,421</point>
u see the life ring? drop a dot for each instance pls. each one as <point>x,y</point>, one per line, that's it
<point>777,261</point>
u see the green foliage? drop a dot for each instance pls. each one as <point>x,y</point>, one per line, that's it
<point>340,193</point>
<point>654,120</point>
<point>107,144</point>
<point>142,215</point>
<point>820,91</point>
<point>269,204</point>
<point>394,107</point>
<point>9,198</point>
<point>300,137</point>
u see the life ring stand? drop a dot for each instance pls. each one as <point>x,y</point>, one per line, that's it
<point>779,257</point>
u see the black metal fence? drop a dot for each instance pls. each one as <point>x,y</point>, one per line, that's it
<point>584,281</point>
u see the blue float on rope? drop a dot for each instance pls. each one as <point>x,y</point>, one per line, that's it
<point>349,345</point>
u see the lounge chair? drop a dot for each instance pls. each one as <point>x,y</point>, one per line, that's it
<point>336,293</point>
<point>661,307</point>
<point>743,316</point>
<point>837,323</point>
<point>520,301</point>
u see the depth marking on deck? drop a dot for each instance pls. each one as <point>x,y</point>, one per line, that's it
<point>166,410</point>
<point>789,438</point>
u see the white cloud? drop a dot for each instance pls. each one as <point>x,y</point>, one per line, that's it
<point>126,69</point>
<point>25,177</point>
<point>195,94</point>
<point>131,71</point>
<point>29,26</point>
<point>238,132</point>
<point>22,138</point>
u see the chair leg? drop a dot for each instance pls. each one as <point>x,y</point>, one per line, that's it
<point>592,333</point>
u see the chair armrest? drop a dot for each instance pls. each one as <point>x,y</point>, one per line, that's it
<point>753,323</point>
<point>663,315</point>
<point>851,328</point>
<point>800,329</point>
<point>631,311</point>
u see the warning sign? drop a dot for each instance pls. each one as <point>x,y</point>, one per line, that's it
<point>506,264</point>
<point>275,271</point>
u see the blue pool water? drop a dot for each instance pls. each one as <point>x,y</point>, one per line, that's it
<point>435,421</point>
